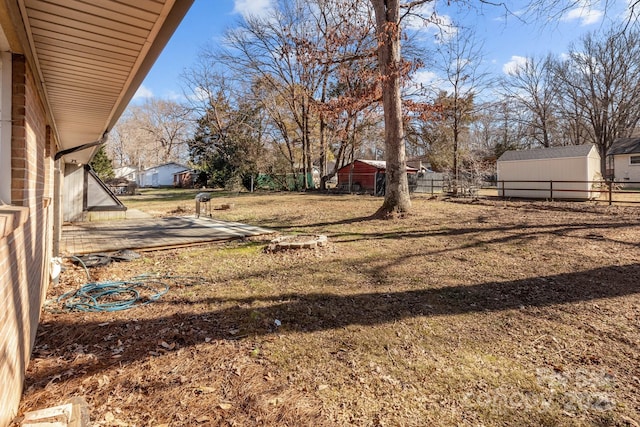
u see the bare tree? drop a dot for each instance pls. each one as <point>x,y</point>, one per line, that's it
<point>129,144</point>
<point>168,125</point>
<point>531,88</point>
<point>151,133</point>
<point>279,50</point>
<point>350,90</point>
<point>388,16</point>
<point>599,86</point>
<point>461,64</point>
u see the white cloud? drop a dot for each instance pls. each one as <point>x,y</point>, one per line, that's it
<point>252,7</point>
<point>516,63</point>
<point>424,78</point>
<point>425,18</point>
<point>175,96</point>
<point>142,93</point>
<point>416,21</point>
<point>585,14</point>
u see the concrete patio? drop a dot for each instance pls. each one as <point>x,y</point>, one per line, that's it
<point>150,233</point>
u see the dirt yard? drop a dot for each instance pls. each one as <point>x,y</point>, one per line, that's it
<point>489,313</point>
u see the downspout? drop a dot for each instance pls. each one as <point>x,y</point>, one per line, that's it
<point>57,207</point>
<point>101,141</point>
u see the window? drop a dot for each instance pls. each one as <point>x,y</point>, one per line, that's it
<point>5,127</point>
<point>634,160</point>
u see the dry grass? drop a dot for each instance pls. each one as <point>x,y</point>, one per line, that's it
<point>486,313</point>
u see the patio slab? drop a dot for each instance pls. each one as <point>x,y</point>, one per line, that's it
<point>149,234</point>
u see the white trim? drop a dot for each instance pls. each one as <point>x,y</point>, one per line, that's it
<point>5,127</point>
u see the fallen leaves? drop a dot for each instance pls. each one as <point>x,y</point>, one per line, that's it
<point>394,325</point>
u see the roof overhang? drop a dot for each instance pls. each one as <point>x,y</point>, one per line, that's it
<point>89,58</point>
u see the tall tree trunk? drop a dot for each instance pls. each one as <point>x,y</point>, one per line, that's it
<point>323,137</point>
<point>308,179</point>
<point>396,199</point>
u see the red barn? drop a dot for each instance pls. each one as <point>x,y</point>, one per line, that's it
<point>365,175</point>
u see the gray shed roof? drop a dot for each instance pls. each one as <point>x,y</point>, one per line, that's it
<point>547,153</point>
<point>624,146</point>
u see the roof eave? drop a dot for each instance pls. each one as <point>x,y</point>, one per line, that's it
<point>16,26</point>
<point>171,22</point>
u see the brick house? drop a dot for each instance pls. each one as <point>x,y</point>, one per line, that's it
<point>67,71</point>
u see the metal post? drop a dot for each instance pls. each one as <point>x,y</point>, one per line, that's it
<point>551,189</point>
<point>610,192</point>
<point>375,184</point>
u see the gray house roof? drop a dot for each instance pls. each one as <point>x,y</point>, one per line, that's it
<point>547,153</point>
<point>624,146</point>
<point>166,165</point>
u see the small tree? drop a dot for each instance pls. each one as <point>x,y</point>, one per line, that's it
<point>102,165</point>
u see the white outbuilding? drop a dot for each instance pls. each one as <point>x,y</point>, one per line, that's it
<point>550,173</point>
<point>160,175</point>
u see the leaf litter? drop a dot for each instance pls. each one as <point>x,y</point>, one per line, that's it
<point>490,313</point>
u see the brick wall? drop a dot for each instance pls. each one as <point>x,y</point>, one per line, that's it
<point>25,244</point>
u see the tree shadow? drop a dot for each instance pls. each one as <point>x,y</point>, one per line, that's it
<point>517,231</point>
<point>347,221</point>
<point>256,316</point>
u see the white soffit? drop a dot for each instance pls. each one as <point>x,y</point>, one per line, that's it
<point>91,57</point>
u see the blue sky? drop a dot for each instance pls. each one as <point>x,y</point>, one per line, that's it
<point>507,39</point>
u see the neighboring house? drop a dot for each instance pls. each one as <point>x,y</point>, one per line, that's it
<point>365,176</point>
<point>543,173</point>
<point>160,175</point>
<point>623,161</point>
<point>67,71</point>
<point>185,179</point>
<point>130,173</point>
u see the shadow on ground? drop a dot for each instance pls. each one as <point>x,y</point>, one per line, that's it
<point>322,311</point>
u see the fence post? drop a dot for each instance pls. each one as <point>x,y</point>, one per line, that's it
<point>375,184</point>
<point>551,189</point>
<point>610,192</point>
<point>502,187</point>
<point>432,186</point>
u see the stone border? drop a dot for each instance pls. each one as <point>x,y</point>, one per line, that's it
<point>297,242</point>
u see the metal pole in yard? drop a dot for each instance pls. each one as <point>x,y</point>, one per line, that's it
<point>551,189</point>
<point>375,183</point>
<point>610,192</point>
